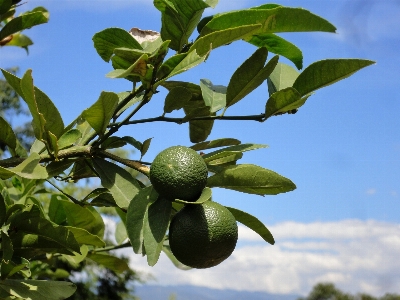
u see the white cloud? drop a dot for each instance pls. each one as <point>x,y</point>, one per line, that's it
<point>358,256</point>
<point>371,191</point>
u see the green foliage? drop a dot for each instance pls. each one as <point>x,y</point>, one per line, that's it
<point>328,291</point>
<point>48,230</point>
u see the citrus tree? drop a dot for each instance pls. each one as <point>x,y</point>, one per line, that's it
<point>165,205</point>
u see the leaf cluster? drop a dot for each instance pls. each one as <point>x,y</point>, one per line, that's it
<point>70,227</point>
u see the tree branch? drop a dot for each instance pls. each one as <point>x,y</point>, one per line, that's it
<point>127,162</point>
<point>77,151</point>
<point>258,118</point>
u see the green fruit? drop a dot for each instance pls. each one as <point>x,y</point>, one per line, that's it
<point>179,172</point>
<point>203,235</point>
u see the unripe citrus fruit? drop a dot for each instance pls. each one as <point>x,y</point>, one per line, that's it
<point>203,235</point>
<point>179,172</point>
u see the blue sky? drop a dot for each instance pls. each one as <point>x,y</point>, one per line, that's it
<point>341,149</point>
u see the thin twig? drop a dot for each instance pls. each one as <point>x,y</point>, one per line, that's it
<point>258,118</point>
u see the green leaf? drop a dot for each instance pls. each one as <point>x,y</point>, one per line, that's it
<point>120,233</point>
<point>223,158</point>
<point>5,5</point>
<point>189,61</point>
<point>20,40</point>
<point>251,179</point>
<point>206,194</point>
<point>69,138</point>
<point>22,22</point>
<point>167,250</point>
<point>325,72</point>
<point>3,210</point>
<point>214,95</point>
<point>83,236</point>
<point>213,40</point>
<point>139,68</point>
<point>32,245</point>
<point>57,167</point>
<point>56,210</point>
<point>235,148</point>
<point>199,130</point>
<point>215,144</point>
<point>251,74</point>
<point>6,247</point>
<point>170,64</point>
<point>100,113</point>
<point>266,6</point>
<point>108,39</point>
<point>29,168</point>
<point>84,217</point>
<point>179,19</point>
<point>7,135</point>
<point>113,142</point>
<point>45,115</point>
<point>193,88</point>
<point>279,19</point>
<point>38,289</point>
<point>105,199</point>
<point>176,99</point>
<point>131,141</point>
<point>283,101</point>
<point>145,147</point>
<point>95,193</point>
<point>30,221</point>
<point>137,216</point>
<point>278,45</point>
<point>282,77</point>
<point>114,263</point>
<point>158,216</point>
<point>122,185</point>
<point>253,223</point>
<point>211,3</point>
<point>129,55</point>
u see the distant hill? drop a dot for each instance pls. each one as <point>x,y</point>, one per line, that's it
<point>190,292</point>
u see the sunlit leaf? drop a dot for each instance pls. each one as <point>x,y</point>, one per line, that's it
<point>29,168</point>
<point>83,236</point>
<point>278,45</point>
<point>216,39</point>
<point>325,72</point>
<point>108,39</point>
<point>100,113</point>
<point>38,289</point>
<point>253,223</point>
<point>215,144</point>
<point>22,22</point>
<point>282,77</point>
<point>283,101</point>
<point>251,74</point>
<point>214,95</point>
<point>251,179</point>
<point>83,217</point>
<point>179,19</point>
<point>279,19</point>
<point>69,138</point>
